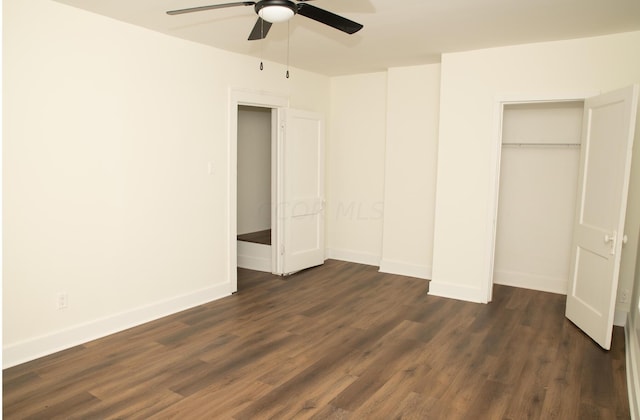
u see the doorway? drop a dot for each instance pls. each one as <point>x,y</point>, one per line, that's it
<point>254,183</point>
<point>606,139</point>
<point>297,180</point>
<point>238,98</point>
<point>539,166</point>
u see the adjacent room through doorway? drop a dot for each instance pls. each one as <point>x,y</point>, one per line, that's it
<point>254,187</point>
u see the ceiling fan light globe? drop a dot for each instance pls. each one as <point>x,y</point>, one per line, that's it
<point>276,13</point>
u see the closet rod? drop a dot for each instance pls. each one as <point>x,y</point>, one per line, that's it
<point>541,144</point>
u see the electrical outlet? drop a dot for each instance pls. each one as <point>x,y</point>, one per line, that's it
<point>624,296</point>
<point>63,300</point>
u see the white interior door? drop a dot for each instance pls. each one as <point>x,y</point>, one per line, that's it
<point>301,190</point>
<point>605,165</point>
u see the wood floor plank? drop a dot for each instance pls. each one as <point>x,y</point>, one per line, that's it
<point>562,399</point>
<point>211,402</point>
<point>139,402</point>
<point>459,379</point>
<point>387,361</point>
<point>491,399</point>
<point>387,401</point>
<point>60,409</point>
<point>414,407</point>
<point>291,397</point>
<point>330,412</point>
<point>530,388</point>
<point>259,237</point>
<point>340,341</point>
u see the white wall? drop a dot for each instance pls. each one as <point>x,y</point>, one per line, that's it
<point>410,170</point>
<point>355,151</point>
<point>108,131</point>
<point>471,83</point>
<point>254,169</point>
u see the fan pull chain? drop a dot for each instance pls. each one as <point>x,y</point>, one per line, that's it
<point>261,43</point>
<point>288,45</point>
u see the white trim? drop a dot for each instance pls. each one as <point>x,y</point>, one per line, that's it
<point>405,269</point>
<point>239,96</point>
<point>632,351</point>
<point>494,191</point>
<point>254,256</point>
<point>531,281</point>
<point>277,236</point>
<point>352,256</point>
<point>528,98</point>
<point>456,291</point>
<point>34,348</point>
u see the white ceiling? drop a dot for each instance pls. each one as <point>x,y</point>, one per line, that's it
<point>396,32</point>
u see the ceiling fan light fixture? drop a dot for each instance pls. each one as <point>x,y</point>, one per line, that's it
<point>276,11</point>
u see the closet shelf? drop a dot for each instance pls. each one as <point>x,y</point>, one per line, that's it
<point>571,145</point>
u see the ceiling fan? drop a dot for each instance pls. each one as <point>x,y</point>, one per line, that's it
<point>275,11</point>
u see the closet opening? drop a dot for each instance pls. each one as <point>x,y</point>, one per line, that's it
<point>538,180</point>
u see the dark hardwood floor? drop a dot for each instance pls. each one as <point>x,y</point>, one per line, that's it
<point>340,341</point>
<point>261,237</point>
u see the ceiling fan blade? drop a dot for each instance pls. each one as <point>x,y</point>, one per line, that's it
<point>211,7</point>
<point>328,18</point>
<point>260,29</point>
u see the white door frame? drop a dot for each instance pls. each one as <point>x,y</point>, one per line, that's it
<point>496,156</point>
<point>250,98</point>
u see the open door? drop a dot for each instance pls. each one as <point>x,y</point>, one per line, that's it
<point>300,208</point>
<point>605,166</point>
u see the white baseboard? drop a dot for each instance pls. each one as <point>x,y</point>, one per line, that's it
<point>632,353</point>
<point>14,354</point>
<point>455,291</point>
<point>352,256</point>
<point>254,256</point>
<point>531,281</point>
<point>620,318</point>
<point>405,269</point>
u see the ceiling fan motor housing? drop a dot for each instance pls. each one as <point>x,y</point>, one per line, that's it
<point>275,11</point>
